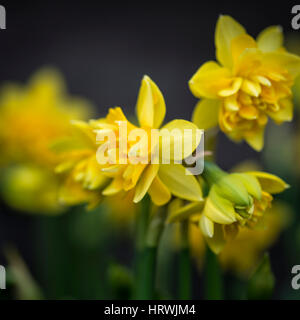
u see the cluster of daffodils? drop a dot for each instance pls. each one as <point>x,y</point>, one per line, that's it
<point>91,160</point>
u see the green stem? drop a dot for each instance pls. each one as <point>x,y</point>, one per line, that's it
<point>213,277</point>
<point>145,283</point>
<point>184,264</point>
<point>142,223</point>
<point>146,276</point>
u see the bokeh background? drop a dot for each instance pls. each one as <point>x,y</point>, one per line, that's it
<point>103,48</point>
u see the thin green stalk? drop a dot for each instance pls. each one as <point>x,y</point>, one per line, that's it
<point>146,276</point>
<point>213,277</point>
<point>146,273</point>
<point>184,264</point>
<point>142,221</point>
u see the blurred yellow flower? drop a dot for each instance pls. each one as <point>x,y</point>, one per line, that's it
<point>30,188</point>
<point>159,180</point>
<point>250,83</point>
<point>31,119</point>
<point>242,254</point>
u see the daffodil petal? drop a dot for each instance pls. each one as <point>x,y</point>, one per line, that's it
<point>94,177</point>
<point>184,212</point>
<point>232,188</point>
<point>209,80</point>
<point>85,129</point>
<point>159,193</point>
<point>256,139</point>
<point>285,113</point>
<point>64,166</point>
<point>179,183</point>
<point>206,112</point>
<point>72,193</point>
<point>114,187</point>
<point>284,60</point>
<point>218,209</point>
<point>269,182</point>
<point>206,226</point>
<point>270,39</point>
<point>151,108</point>
<point>251,183</point>
<point>239,44</point>
<point>217,242</point>
<point>181,137</point>
<point>145,182</point>
<point>226,30</point>
<point>159,105</point>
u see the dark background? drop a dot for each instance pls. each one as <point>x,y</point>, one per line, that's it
<point>103,48</point>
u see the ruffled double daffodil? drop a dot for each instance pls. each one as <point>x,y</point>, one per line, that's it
<point>250,83</point>
<point>86,166</point>
<point>159,180</point>
<point>234,201</point>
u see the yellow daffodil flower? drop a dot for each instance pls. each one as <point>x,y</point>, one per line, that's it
<point>234,201</point>
<point>250,82</point>
<point>159,180</point>
<point>31,118</point>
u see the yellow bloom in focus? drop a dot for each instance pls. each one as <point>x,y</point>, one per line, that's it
<point>31,119</point>
<point>250,82</point>
<point>159,180</point>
